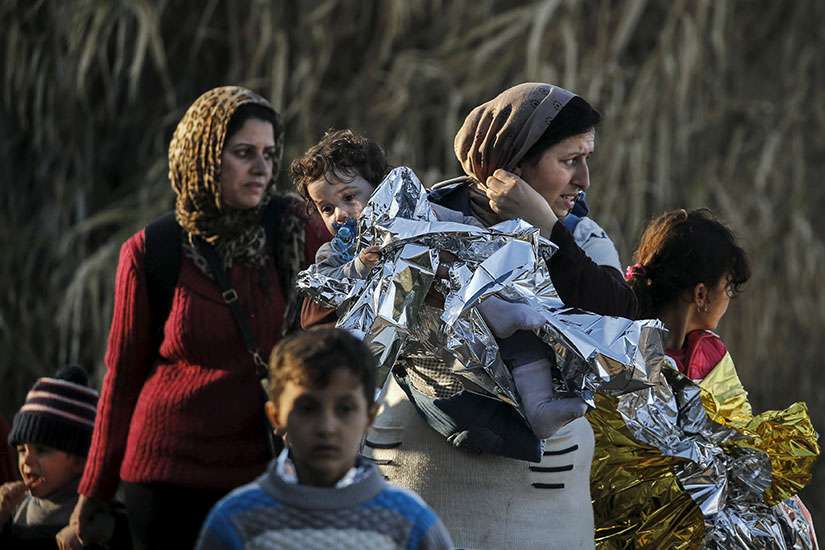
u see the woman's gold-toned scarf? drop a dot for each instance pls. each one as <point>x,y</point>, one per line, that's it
<point>194,172</point>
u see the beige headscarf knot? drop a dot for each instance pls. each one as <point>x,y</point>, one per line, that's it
<point>498,134</point>
<point>194,173</point>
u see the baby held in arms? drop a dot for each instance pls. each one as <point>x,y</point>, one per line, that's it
<point>338,175</point>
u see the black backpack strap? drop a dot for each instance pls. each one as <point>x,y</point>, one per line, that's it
<point>287,248</point>
<point>269,220</point>
<point>163,240</point>
<point>230,298</point>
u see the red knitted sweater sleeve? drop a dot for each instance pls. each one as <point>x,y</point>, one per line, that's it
<point>128,360</point>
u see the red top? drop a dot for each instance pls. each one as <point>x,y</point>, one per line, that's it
<point>701,353</point>
<point>193,416</point>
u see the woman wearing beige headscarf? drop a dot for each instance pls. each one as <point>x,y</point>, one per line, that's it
<point>179,421</point>
<point>525,155</point>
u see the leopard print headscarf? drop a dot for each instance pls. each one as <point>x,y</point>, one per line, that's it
<point>194,172</point>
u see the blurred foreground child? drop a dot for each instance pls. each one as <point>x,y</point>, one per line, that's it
<point>319,493</point>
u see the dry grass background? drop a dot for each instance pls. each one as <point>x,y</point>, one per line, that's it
<point>717,103</point>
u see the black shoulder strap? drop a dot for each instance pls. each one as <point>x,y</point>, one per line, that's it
<point>162,239</point>
<point>230,298</point>
<point>269,220</point>
<point>278,236</point>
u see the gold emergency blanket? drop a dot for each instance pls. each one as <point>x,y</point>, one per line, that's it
<point>728,496</point>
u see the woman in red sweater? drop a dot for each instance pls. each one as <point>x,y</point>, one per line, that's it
<point>180,423</point>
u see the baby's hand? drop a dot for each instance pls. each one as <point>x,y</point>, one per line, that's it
<point>370,255</point>
<point>11,495</point>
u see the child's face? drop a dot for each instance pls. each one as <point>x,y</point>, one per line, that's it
<point>324,426</point>
<point>46,470</point>
<point>339,198</point>
<point>715,304</point>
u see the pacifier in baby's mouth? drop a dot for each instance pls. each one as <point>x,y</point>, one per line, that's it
<point>343,243</point>
<point>580,207</point>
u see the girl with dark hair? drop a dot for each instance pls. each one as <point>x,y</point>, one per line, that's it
<point>688,268</point>
<point>169,372</point>
<point>490,476</point>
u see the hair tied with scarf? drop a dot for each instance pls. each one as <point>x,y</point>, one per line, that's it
<point>637,271</point>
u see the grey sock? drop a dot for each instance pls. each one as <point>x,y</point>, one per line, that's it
<point>545,413</point>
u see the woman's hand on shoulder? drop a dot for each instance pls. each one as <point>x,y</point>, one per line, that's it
<point>512,197</point>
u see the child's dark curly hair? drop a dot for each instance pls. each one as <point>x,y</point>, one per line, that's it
<point>343,154</point>
<point>680,249</point>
